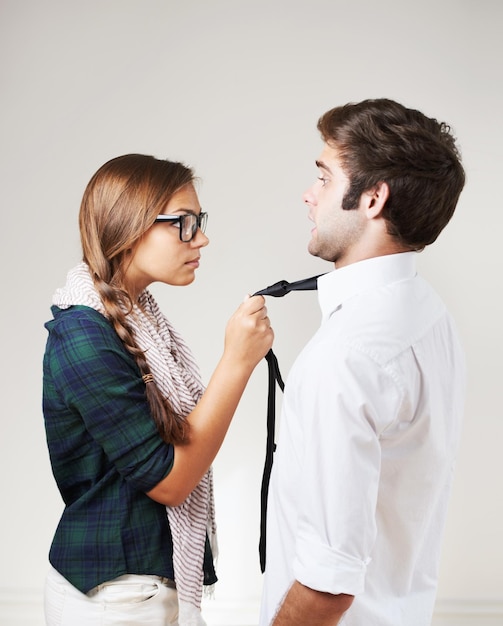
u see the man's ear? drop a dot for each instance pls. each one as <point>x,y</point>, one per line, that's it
<point>376,199</point>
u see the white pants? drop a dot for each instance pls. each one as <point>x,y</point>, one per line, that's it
<point>127,600</point>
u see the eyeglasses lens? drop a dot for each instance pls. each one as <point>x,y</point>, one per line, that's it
<point>190,224</point>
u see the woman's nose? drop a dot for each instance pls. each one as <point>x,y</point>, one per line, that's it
<point>200,240</point>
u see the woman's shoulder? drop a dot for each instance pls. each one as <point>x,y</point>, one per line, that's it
<point>79,334</point>
<point>79,320</point>
<point>77,311</point>
<point>76,315</point>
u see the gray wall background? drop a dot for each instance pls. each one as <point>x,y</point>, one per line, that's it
<point>234,88</point>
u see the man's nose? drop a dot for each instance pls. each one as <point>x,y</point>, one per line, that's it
<point>308,196</point>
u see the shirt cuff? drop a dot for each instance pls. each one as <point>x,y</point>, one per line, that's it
<point>324,568</point>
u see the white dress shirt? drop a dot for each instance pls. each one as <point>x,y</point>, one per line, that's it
<point>368,435</point>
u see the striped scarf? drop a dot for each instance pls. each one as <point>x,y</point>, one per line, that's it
<point>177,376</point>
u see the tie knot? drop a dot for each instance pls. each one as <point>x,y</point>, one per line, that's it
<point>281,288</point>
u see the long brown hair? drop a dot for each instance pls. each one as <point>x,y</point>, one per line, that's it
<point>382,141</point>
<point>120,203</point>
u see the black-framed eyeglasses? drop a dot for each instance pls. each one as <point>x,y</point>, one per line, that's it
<point>188,224</point>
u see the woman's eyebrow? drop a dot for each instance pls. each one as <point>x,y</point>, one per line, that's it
<point>183,211</point>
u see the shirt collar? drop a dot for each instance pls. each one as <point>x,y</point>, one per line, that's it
<point>341,284</point>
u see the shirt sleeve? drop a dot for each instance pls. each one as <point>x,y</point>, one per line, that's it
<point>350,399</point>
<point>94,376</point>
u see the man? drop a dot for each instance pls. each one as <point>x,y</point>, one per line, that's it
<point>372,406</point>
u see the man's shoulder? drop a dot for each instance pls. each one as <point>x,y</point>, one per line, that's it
<point>382,322</point>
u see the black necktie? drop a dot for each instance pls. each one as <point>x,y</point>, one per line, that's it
<point>277,290</point>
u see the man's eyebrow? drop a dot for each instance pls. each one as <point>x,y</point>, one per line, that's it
<point>323,166</point>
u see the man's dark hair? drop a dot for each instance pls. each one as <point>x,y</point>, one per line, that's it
<point>382,141</point>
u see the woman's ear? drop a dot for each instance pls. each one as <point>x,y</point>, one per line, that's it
<point>376,199</point>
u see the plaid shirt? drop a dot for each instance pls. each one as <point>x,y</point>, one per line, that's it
<point>105,453</point>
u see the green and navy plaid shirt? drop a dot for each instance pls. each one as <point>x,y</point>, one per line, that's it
<point>105,453</point>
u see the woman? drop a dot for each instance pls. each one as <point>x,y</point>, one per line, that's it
<point>130,428</point>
